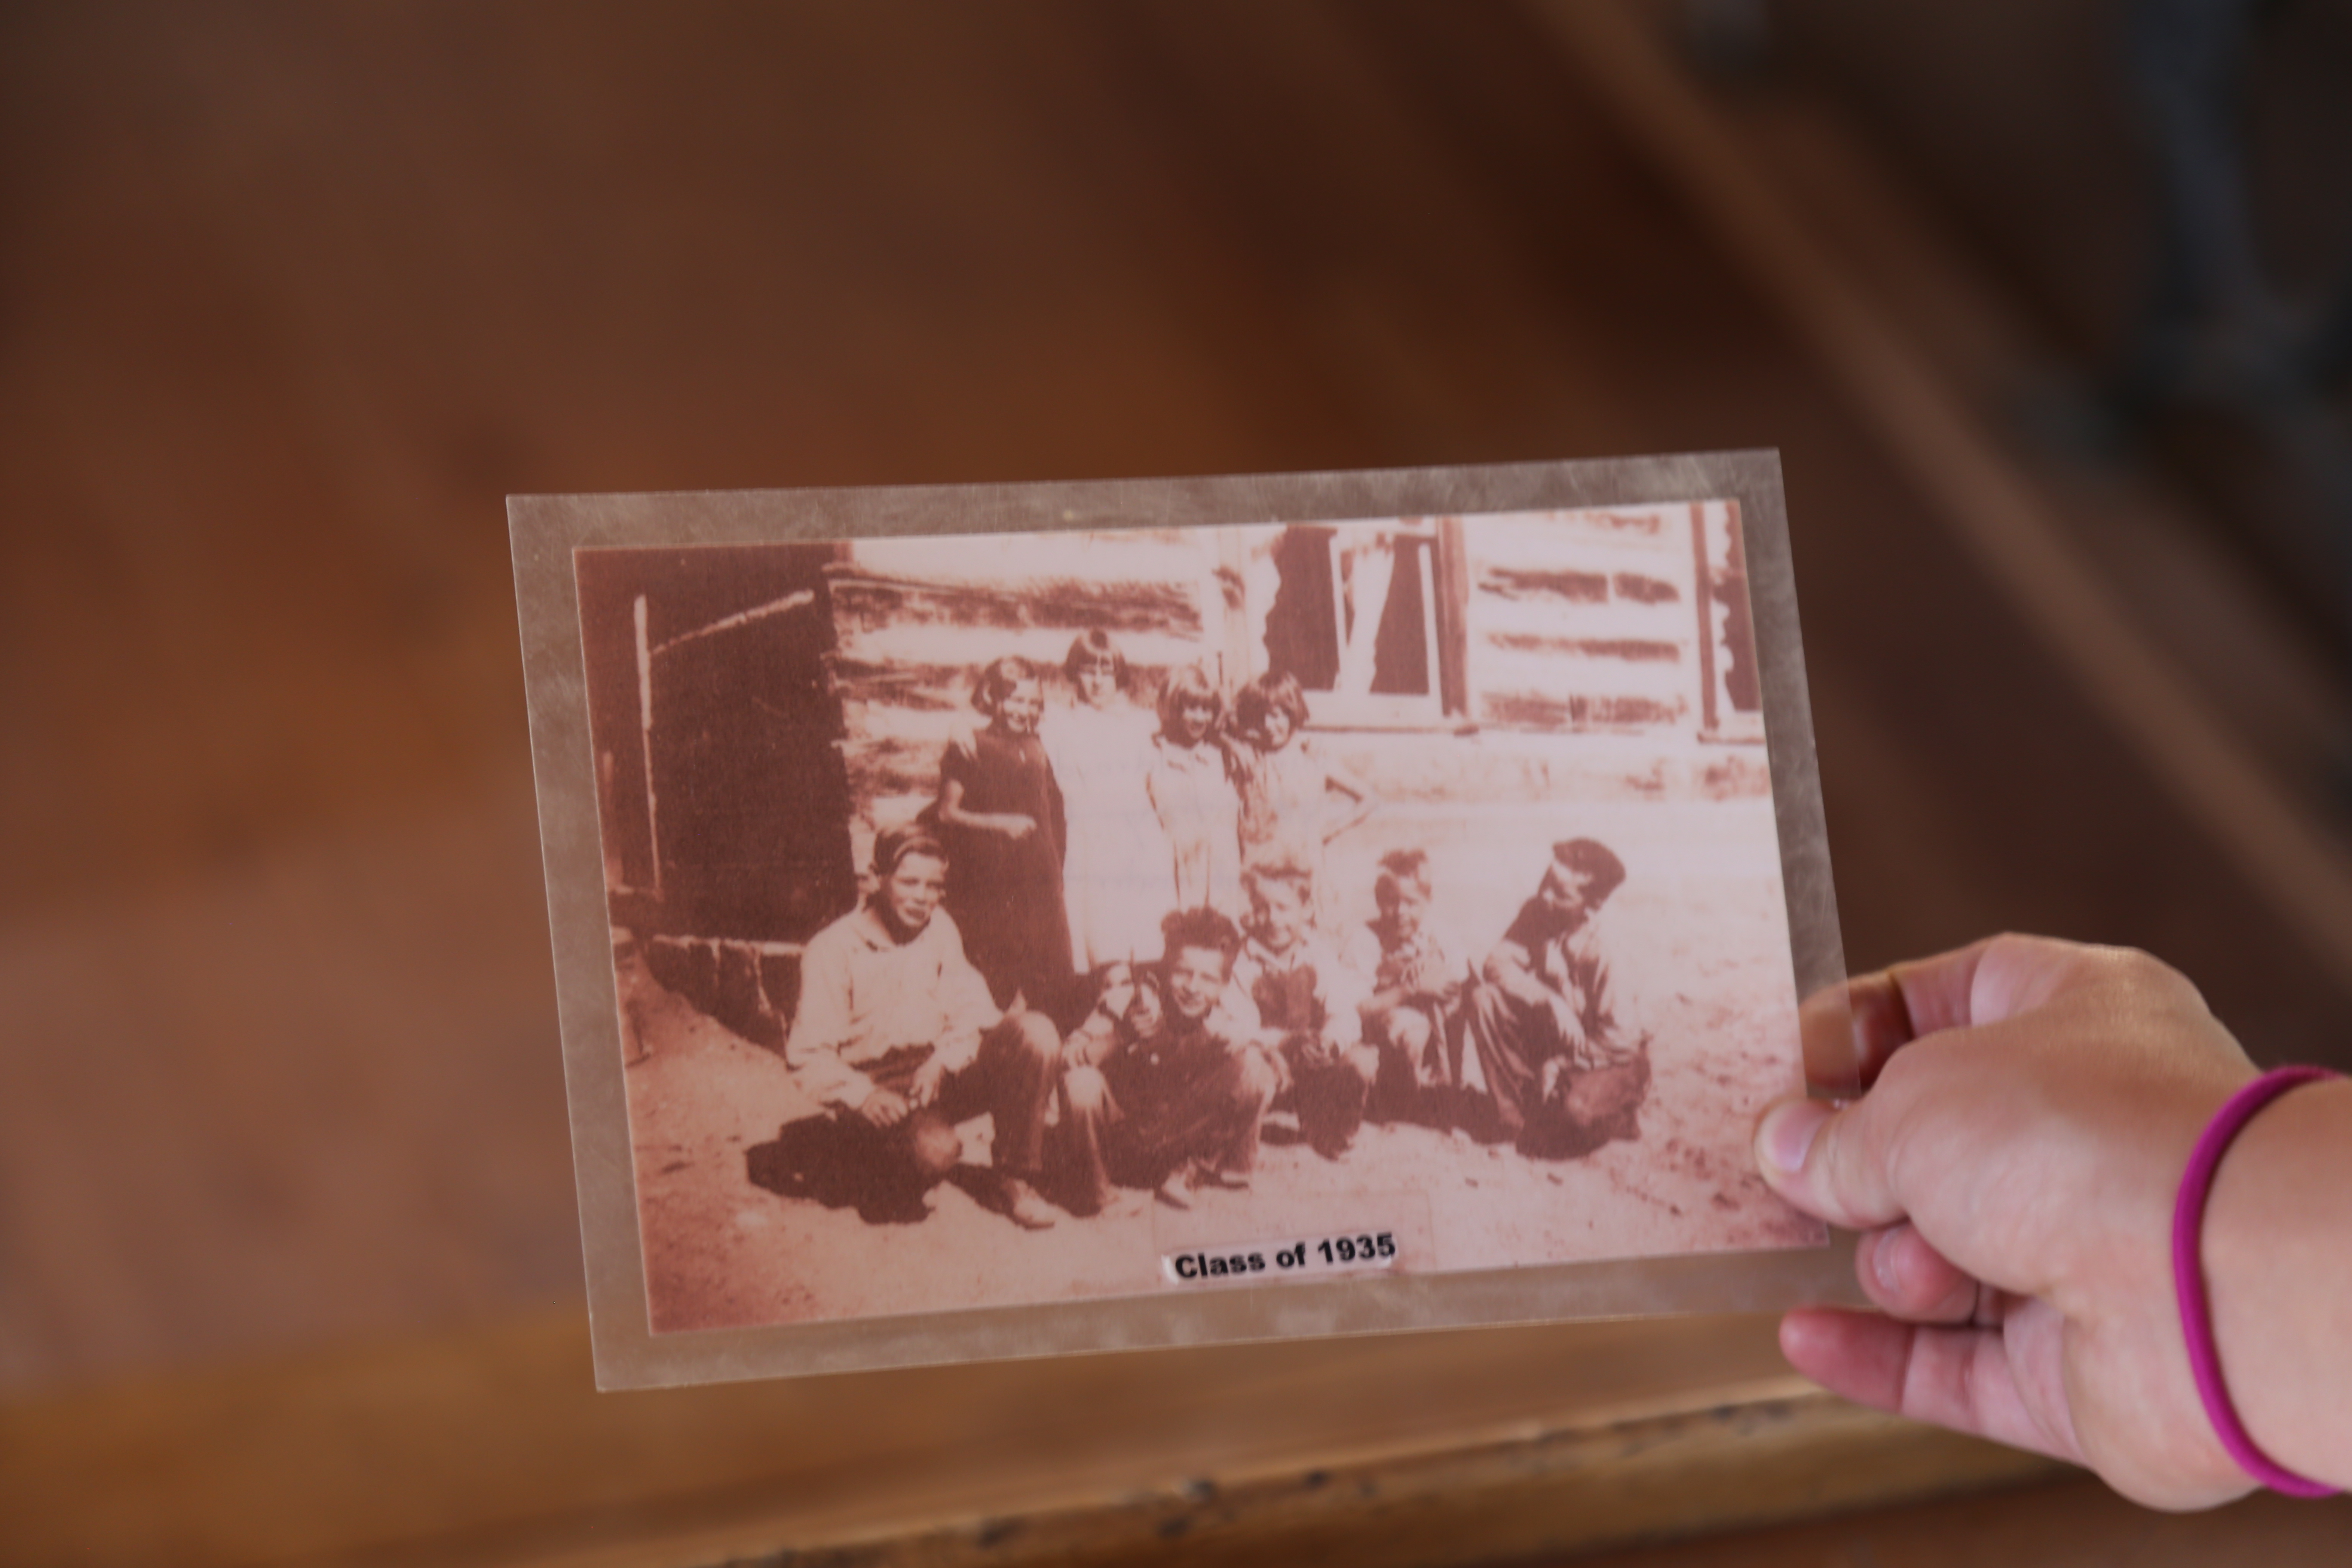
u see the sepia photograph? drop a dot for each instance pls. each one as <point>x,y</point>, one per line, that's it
<point>1006,919</point>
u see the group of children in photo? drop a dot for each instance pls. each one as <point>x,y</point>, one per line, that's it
<point>1144,906</point>
<point>1070,834</point>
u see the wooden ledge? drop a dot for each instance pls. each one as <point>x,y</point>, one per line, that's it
<point>1752,1460</point>
<point>494,1448</point>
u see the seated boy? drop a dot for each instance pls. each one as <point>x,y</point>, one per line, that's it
<point>1410,1014</point>
<point>1175,1092</point>
<point>1307,1001</point>
<point>896,1036</point>
<point>1544,1010</point>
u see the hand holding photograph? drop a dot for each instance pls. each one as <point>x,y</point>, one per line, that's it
<point>1005,920</point>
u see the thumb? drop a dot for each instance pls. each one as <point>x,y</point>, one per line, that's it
<point>1825,1161</point>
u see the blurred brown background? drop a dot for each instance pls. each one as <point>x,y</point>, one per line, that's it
<point>293,295</point>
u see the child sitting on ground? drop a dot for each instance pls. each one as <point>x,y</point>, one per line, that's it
<point>1308,1006</point>
<point>1410,1017</point>
<point>1174,1099</point>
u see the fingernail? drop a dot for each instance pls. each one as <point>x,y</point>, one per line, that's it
<point>1788,1132</point>
<point>1881,1264</point>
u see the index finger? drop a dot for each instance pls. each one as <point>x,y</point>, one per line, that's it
<point>1851,1031</point>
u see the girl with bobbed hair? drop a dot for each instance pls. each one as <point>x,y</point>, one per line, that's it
<point>1294,801</point>
<point>1117,876</point>
<point>1193,790</point>
<point>1095,650</point>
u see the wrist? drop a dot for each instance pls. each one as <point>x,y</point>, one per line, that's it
<point>2276,1249</point>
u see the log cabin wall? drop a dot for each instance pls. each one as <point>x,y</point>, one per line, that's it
<point>1584,665</point>
<point>914,620</point>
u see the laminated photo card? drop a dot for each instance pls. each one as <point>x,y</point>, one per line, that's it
<point>1018,920</point>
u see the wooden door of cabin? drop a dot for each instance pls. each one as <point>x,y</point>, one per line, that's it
<point>717,732</point>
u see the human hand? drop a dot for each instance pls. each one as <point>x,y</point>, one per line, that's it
<point>1312,1050</point>
<point>1015,826</point>
<point>885,1108</point>
<point>1548,1078</point>
<point>924,1088</point>
<point>1567,1019</point>
<point>2013,1167</point>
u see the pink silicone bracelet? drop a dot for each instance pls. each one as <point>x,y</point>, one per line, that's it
<point>2188,1277</point>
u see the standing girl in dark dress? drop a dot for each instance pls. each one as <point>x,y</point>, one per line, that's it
<point>1000,811</point>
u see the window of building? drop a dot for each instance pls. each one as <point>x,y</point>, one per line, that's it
<point>1367,618</point>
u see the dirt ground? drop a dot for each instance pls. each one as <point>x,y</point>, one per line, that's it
<point>1705,969</point>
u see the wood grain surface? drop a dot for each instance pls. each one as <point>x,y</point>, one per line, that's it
<point>492,1448</point>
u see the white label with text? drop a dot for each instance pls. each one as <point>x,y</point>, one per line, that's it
<point>1358,1252</point>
